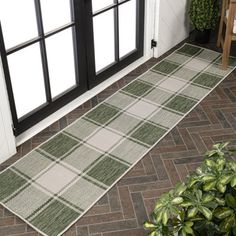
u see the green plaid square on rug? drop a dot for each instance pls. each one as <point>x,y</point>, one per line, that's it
<point>55,184</point>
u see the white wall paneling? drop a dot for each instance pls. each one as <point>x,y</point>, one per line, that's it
<point>171,25</point>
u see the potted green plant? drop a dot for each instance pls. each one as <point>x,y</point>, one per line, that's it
<point>204,16</point>
<point>205,205</point>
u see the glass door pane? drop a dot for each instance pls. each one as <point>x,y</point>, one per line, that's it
<point>118,36</point>
<point>18,21</point>
<point>100,4</point>
<point>104,39</point>
<point>27,79</point>
<point>127,28</point>
<point>55,13</point>
<point>49,69</point>
<point>61,64</point>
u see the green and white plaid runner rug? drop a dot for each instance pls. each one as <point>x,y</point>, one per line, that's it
<point>55,184</point>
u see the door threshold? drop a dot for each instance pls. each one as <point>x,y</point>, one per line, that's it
<point>77,102</point>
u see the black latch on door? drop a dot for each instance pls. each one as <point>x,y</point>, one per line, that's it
<point>153,43</point>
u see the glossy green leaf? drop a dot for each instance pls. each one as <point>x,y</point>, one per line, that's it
<point>209,186</point>
<point>208,178</point>
<point>183,232</point>
<point>186,204</point>
<point>232,165</point>
<point>221,188</point>
<point>206,212</point>
<point>177,200</point>
<point>233,182</point>
<point>188,230</point>
<point>225,179</point>
<point>220,201</point>
<point>208,198</point>
<point>222,213</point>
<point>149,225</point>
<point>180,188</point>
<point>159,217</point>
<point>165,217</point>
<point>226,224</point>
<point>158,206</point>
<point>199,171</point>
<point>230,200</point>
<point>192,212</point>
<point>210,163</point>
<point>189,223</point>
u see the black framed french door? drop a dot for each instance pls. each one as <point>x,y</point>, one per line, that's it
<point>54,50</point>
<point>116,29</point>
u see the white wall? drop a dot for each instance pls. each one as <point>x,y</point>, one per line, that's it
<point>7,139</point>
<point>172,24</point>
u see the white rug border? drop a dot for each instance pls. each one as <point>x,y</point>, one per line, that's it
<point>69,226</point>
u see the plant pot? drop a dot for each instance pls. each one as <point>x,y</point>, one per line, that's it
<point>202,37</point>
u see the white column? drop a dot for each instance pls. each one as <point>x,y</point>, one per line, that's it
<point>171,24</point>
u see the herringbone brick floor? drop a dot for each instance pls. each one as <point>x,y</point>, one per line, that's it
<point>123,210</point>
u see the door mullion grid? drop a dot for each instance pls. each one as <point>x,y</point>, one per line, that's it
<point>75,36</point>
<point>43,50</point>
<point>110,7</point>
<point>116,25</point>
<point>120,63</point>
<point>138,32</point>
<point>87,30</point>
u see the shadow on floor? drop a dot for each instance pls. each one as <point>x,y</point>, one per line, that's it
<point>212,43</point>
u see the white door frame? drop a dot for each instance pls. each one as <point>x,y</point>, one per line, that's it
<point>150,26</point>
<point>156,21</point>
<point>7,138</point>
